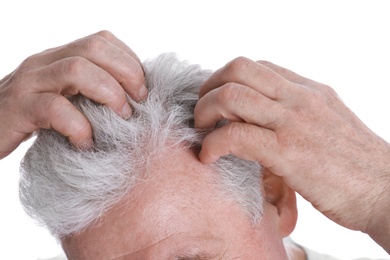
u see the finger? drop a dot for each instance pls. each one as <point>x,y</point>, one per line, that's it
<point>53,111</point>
<point>136,77</point>
<point>289,75</point>
<point>236,102</point>
<point>76,75</point>
<point>117,42</point>
<point>244,140</point>
<point>252,74</point>
<point>121,63</point>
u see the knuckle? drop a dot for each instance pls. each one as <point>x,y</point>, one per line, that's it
<point>136,74</point>
<point>73,66</point>
<point>239,64</point>
<point>105,34</point>
<point>226,93</point>
<point>93,44</point>
<point>265,63</point>
<point>235,131</point>
<point>28,61</point>
<point>110,91</point>
<point>54,106</point>
<point>328,91</point>
<point>323,96</point>
<point>116,96</point>
<point>316,100</point>
<point>312,96</point>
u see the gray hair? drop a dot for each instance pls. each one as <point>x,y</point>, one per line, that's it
<point>67,189</point>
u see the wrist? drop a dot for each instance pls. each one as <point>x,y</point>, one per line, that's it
<point>378,225</point>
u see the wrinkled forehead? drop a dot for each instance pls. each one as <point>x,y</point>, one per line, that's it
<point>177,202</point>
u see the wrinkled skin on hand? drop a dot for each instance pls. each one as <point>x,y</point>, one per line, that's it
<point>99,66</point>
<point>300,130</point>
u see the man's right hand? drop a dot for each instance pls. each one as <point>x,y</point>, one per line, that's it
<point>99,66</point>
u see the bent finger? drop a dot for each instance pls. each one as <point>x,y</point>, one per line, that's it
<point>76,75</point>
<point>252,74</point>
<point>243,140</point>
<point>109,36</point>
<point>236,102</point>
<point>107,52</point>
<point>53,111</point>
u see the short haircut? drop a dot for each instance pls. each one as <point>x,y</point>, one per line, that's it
<point>67,189</point>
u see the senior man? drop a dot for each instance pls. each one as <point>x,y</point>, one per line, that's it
<point>295,127</point>
<point>141,193</point>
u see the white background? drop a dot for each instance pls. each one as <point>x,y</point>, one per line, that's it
<point>344,44</point>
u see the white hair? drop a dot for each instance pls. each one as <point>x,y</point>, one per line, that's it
<point>67,189</point>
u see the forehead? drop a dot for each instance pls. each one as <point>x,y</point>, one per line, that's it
<point>177,205</point>
<point>179,196</point>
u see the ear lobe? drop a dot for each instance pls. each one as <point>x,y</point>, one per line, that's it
<point>280,195</point>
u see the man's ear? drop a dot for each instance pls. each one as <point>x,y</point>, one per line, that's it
<point>278,194</point>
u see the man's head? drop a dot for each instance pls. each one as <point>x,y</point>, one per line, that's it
<point>141,193</point>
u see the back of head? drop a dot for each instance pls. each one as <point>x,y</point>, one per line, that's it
<point>67,189</point>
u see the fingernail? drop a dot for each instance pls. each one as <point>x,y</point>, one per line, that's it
<point>143,93</point>
<point>126,111</point>
<point>203,158</point>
